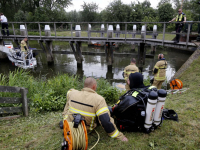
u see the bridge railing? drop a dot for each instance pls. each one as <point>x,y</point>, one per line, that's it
<point>107,30</point>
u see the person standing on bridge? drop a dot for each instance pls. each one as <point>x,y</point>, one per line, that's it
<point>4,24</point>
<point>180,18</point>
<point>132,68</point>
<point>159,71</point>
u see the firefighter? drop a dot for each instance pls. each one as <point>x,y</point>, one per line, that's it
<point>91,106</point>
<point>24,47</point>
<point>159,71</point>
<point>132,68</point>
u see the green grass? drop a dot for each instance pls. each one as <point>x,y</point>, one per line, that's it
<point>41,131</point>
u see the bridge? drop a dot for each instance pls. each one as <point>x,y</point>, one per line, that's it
<point>102,32</point>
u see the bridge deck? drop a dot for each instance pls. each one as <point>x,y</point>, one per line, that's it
<point>180,45</point>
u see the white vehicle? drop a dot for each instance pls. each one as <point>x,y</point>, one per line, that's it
<point>17,57</point>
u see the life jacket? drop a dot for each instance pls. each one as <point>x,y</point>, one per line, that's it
<point>179,17</point>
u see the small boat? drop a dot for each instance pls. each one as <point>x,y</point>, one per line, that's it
<point>17,57</point>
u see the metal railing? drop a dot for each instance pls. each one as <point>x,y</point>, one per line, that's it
<point>92,29</point>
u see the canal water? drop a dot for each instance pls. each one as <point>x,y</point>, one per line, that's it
<point>96,66</point>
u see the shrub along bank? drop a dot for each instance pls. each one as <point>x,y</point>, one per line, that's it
<point>50,94</point>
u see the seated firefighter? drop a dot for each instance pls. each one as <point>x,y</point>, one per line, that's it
<point>139,109</point>
<point>91,106</point>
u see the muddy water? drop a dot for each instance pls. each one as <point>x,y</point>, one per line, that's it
<point>96,65</point>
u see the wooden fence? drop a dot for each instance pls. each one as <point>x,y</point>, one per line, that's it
<point>12,100</point>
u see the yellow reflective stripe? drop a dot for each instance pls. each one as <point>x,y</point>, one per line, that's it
<point>66,116</point>
<point>179,18</point>
<point>135,94</point>
<point>69,91</point>
<point>129,72</point>
<point>156,67</point>
<point>115,134</point>
<point>84,113</point>
<point>100,111</point>
<point>125,78</point>
<point>118,101</point>
<point>160,78</point>
<point>92,123</point>
<point>151,87</point>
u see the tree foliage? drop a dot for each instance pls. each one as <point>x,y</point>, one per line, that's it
<point>89,12</point>
<point>165,12</point>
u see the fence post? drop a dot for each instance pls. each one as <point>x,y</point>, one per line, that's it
<point>163,34</point>
<point>39,29</point>
<point>22,30</point>
<point>55,29</point>
<point>24,101</point>
<point>188,34</point>
<point>110,31</point>
<point>143,32</point>
<point>154,36</point>
<point>47,30</point>
<point>133,36</point>
<point>78,30</point>
<point>13,29</point>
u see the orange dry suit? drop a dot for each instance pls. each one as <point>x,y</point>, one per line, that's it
<point>90,105</point>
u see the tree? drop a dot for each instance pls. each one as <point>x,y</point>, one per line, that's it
<point>165,12</point>
<point>163,2</point>
<point>89,12</point>
<point>117,11</point>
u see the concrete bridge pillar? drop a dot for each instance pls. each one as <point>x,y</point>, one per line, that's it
<point>47,30</point>
<point>3,56</point>
<point>23,31</point>
<point>117,35</point>
<point>109,53</point>
<point>154,36</point>
<point>78,31</point>
<point>133,36</point>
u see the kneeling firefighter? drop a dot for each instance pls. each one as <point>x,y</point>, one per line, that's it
<point>139,109</point>
<point>87,105</point>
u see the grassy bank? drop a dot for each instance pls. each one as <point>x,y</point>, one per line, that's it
<point>41,131</point>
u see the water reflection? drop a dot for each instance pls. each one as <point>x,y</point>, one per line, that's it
<point>97,66</point>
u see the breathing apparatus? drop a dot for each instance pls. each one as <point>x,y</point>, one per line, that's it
<point>140,109</point>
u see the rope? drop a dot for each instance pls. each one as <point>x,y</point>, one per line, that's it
<point>78,135</point>
<point>96,141</point>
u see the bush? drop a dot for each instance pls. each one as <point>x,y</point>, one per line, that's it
<point>50,95</point>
